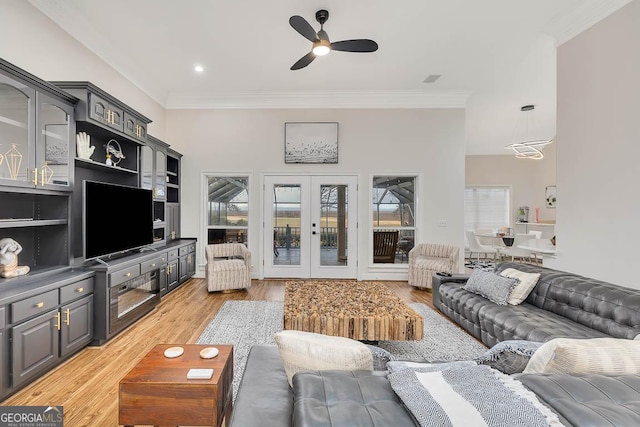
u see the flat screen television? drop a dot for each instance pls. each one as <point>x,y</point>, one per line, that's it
<point>116,218</point>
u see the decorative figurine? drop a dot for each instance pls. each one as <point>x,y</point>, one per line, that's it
<point>84,147</point>
<point>9,250</point>
<point>114,153</point>
<point>14,160</point>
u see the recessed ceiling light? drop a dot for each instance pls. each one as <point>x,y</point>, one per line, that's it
<point>198,68</point>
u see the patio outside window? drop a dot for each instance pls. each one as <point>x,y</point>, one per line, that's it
<point>227,209</point>
<point>393,220</point>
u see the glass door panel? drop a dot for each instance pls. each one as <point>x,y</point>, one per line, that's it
<point>146,167</point>
<point>333,224</point>
<point>287,218</point>
<point>161,174</point>
<point>16,117</point>
<point>308,228</point>
<point>334,242</point>
<point>53,155</point>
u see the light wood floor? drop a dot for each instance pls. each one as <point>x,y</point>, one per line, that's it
<point>87,384</point>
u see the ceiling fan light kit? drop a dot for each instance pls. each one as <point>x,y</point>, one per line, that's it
<point>321,45</point>
<point>528,148</point>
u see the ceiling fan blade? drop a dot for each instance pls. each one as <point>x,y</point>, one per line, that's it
<point>304,61</point>
<point>358,45</point>
<point>303,27</point>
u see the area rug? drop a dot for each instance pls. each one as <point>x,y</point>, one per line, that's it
<point>247,323</point>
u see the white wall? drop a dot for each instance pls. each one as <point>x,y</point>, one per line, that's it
<point>527,179</point>
<point>429,142</point>
<point>33,42</point>
<point>425,142</point>
<point>599,150</point>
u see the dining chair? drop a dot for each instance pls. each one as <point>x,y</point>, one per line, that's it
<point>478,248</point>
<point>534,256</point>
<point>536,233</point>
<point>515,251</point>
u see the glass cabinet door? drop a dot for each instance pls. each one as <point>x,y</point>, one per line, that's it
<point>16,135</point>
<point>146,163</point>
<point>54,152</point>
<point>161,174</point>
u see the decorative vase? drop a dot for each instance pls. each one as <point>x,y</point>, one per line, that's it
<point>523,214</point>
<point>537,213</point>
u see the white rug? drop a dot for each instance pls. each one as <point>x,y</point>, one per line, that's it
<point>246,323</point>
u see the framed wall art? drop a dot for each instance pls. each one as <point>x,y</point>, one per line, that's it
<point>550,196</point>
<point>311,142</point>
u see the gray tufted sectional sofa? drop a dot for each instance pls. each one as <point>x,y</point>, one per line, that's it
<point>561,305</point>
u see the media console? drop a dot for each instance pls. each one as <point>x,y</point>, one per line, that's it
<point>129,287</point>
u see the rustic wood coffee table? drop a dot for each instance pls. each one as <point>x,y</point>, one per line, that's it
<point>157,392</point>
<point>364,311</point>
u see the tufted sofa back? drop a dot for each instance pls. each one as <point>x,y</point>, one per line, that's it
<point>608,308</point>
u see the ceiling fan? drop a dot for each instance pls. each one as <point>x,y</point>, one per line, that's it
<point>321,44</point>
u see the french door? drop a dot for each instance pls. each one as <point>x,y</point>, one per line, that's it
<point>310,226</point>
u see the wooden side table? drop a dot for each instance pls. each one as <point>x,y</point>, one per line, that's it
<point>157,392</point>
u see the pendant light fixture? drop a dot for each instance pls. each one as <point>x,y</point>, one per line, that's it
<point>528,148</point>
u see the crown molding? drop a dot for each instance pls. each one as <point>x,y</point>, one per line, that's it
<point>63,14</point>
<point>568,25</point>
<point>319,99</point>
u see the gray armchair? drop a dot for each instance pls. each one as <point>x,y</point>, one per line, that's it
<point>228,267</point>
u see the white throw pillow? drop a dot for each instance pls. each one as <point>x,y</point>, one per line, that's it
<point>607,356</point>
<point>523,289</point>
<point>308,351</point>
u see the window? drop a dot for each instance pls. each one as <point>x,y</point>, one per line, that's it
<point>486,208</point>
<point>393,221</point>
<point>227,209</point>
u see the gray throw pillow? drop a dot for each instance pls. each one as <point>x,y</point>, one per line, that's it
<point>509,357</point>
<point>491,285</point>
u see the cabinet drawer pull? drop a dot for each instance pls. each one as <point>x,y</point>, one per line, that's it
<point>58,320</point>
<point>40,305</point>
<point>128,274</point>
<point>153,265</point>
<point>68,313</point>
<point>35,176</point>
<point>80,290</point>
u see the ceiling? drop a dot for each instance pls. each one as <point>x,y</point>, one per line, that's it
<point>494,56</point>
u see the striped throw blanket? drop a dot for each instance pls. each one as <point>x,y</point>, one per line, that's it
<point>464,394</point>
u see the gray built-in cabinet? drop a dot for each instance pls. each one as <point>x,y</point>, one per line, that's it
<point>50,326</point>
<point>62,304</point>
<point>173,194</point>
<point>153,176</point>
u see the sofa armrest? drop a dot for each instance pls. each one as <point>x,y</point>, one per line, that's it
<point>246,255</point>
<point>264,397</point>
<point>437,280</point>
